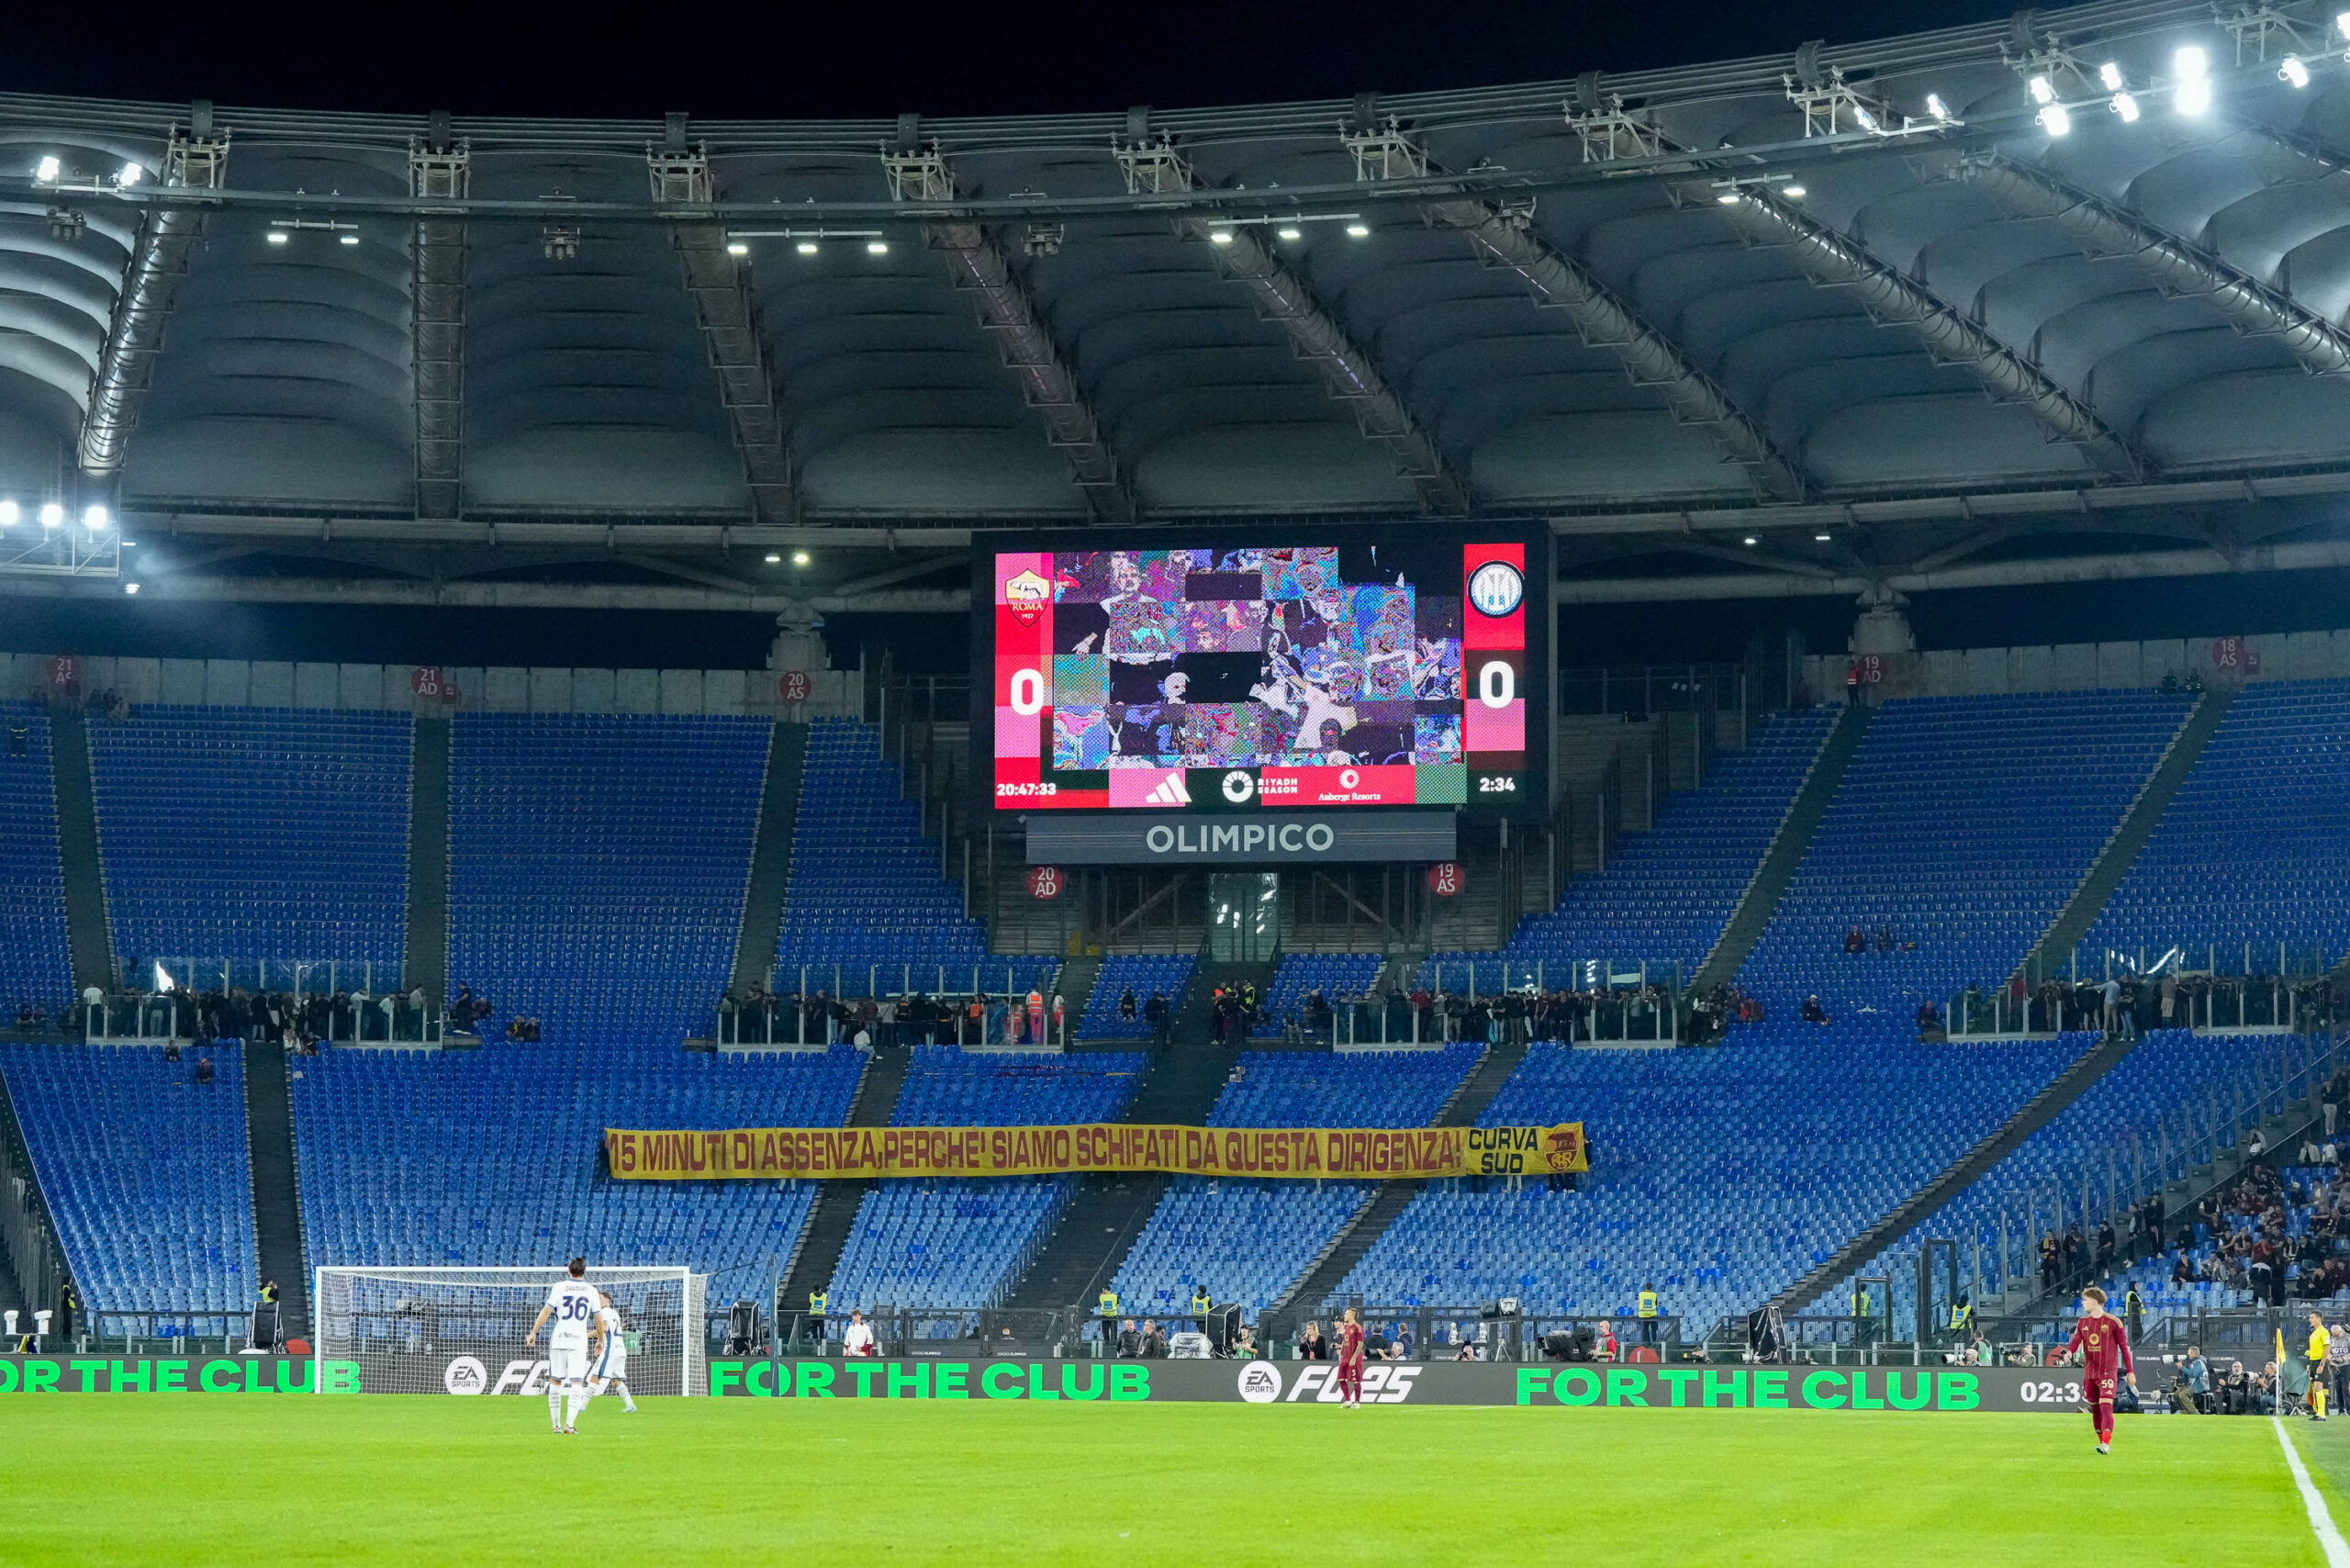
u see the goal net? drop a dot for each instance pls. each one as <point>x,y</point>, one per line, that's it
<point>429,1331</point>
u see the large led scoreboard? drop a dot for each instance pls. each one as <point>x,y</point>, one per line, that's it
<point>1286,668</point>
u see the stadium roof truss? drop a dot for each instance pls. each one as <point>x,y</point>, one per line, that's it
<point>1857,316</point>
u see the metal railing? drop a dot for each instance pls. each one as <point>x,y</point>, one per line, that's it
<point>179,1018</point>
<point>1003,1021</point>
<point>210,973</point>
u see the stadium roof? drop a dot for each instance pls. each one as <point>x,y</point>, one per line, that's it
<point>1851,317</point>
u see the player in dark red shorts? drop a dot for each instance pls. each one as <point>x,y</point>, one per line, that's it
<point>2103,1345</point>
<point>1350,1360</point>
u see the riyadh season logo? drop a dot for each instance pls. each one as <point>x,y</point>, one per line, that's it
<point>1260,1382</point>
<point>465,1376</point>
<point>1238,787</point>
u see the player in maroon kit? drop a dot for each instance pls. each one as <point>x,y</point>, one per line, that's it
<point>1350,1360</point>
<point>2102,1343</point>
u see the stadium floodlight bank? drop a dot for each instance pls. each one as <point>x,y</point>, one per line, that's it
<point>456,1330</point>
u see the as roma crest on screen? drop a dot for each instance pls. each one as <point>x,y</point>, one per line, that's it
<point>1026,596</point>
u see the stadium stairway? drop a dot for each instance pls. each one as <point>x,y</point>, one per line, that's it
<point>1195,1019</point>
<point>277,1206</point>
<point>88,934</point>
<point>770,855</point>
<point>1326,1272</point>
<point>1098,1228</point>
<point>2120,852</point>
<point>816,1257</point>
<point>426,961</point>
<point>1778,866</point>
<point>1075,984</point>
<point>2034,1113</point>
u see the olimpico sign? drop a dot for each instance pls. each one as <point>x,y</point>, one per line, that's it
<point>1240,839</point>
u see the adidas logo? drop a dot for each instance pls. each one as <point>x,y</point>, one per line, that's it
<point>1170,792</point>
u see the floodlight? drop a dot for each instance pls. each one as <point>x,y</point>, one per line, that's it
<point>1358,230</point>
<point>2126,107</point>
<point>1219,236</point>
<point>1936,107</point>
<point>1867,120</point>
<point>877,247</point>
<point>2110,74</point>
<point>46,169</point>
<point>1728,199</point>
<point>348,238</point>
<point>2342,24</point>
<point>95,519</point>
<point>52,515</point>
<point>737,248</point>
<point>9,513</point>
<point>1823,537</point>
<point>1292,233</point>
<point>131,174</point>
<point>807,247</point>
<point>1798,192</point>
<point>2293,71</point>
<point>2054,120</point>
<point>131,589</point>
<point>277,236</point>
<point>799,557</point>
<point>2192,68</point>
<point>2043,91</point>
<point>1752,539</point>
<point>774,559</point>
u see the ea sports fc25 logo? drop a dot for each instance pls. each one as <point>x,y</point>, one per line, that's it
<point>1317,1384</point>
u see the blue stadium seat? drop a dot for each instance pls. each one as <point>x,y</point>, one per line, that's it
<point>33,962</point>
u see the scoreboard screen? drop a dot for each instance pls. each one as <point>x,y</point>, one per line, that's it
<point>1314,670</point>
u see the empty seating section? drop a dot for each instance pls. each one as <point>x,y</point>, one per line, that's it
<point>596,865</point>
<point>1721,1175</point>
<point>1667,893</point>
<point>146,1174</point>
<point>1250,1239</point>
<point>490,1157</point>
<point>1335,975</point>
<point>251,835</point>
<point>34,967</point>
<point>2046,1174</point>
<point>2250,852</point>
<point>868,891</point>
<point>1142,973</point>
<point>1962,826</point>
<point>917,1243</point>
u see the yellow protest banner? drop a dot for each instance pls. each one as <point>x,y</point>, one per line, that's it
<point>1304,1153</point>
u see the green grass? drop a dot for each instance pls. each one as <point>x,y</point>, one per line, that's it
<point>434,1480</point>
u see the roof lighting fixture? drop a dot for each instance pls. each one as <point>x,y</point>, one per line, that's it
<point>1796,192</point>
<point>2342,24</point>
<point>877,247</point>
<point>2043,91</point>
<point>1219,236</point>
<point>1358,230</point>
<point>1752,539</point>
<point>2191,71</point>
<point>737,248</point>
<point>2126,105</point>
<point>1860,113</point>
<point>774,559</point>
<point>95,519</point>
<point>131,588</point>
<point>1822,538</point>
<point>46,171</point>
<point>9,512</point>
<point>799,557</point>
<point>52,515</point>
<point>2055,120</point>
<point>1728,197</point>
<point>1936,107</point>
<point>807,247</point>
<point>278,236</point>
<point>348,238</point>
<point>2294,72</point>
<point>131,174</point>
<point>2109,74</point>
<point>1291,231</point>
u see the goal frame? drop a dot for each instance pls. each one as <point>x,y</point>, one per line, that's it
<point>693,1290</point>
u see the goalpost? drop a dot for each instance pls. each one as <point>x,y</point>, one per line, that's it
<point>454,1330</point>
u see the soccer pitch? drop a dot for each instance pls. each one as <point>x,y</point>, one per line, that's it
<point>435,1480</point>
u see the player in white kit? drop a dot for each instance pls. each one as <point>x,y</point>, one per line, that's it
<point>572,1303</point>
<point>607,1357</point>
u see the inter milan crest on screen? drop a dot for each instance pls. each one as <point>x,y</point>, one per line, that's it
<point>1396,672</point>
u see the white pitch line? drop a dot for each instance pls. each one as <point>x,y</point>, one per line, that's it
<point>2337,1550</point>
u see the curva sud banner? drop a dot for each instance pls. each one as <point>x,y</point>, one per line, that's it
<point>1307,1153</point>
<point>1723,1388</point>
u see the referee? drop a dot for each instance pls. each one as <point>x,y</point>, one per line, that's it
<point>2320,1343</point>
